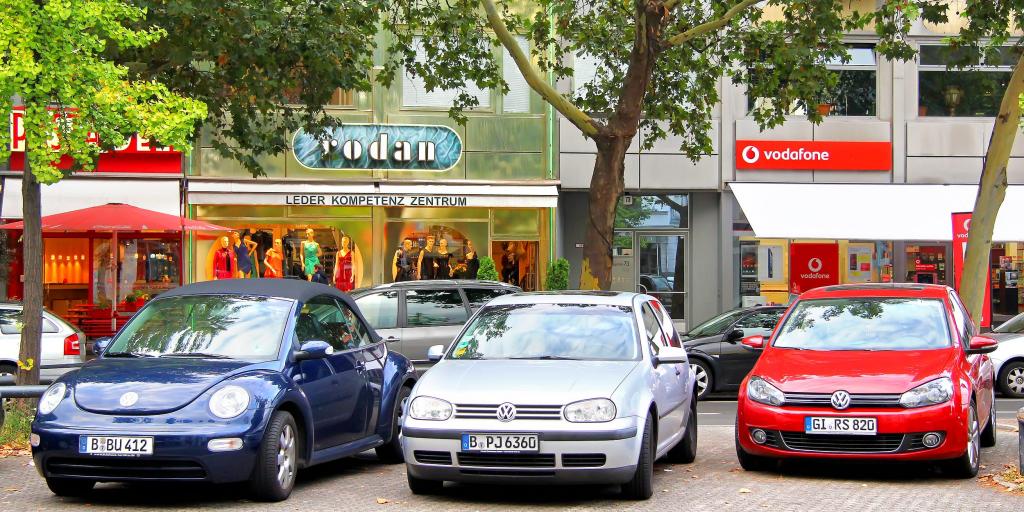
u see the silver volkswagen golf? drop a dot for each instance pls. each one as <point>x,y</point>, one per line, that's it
<point>578,387</point>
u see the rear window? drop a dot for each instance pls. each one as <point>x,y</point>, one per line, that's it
<point>866,324</point>
<point>479,296</point>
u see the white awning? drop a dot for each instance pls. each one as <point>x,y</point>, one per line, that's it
<point>211,192</point>
<point>160,195</point>
<point>868,211</point>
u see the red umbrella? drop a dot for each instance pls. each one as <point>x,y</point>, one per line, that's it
<point>113,217</point>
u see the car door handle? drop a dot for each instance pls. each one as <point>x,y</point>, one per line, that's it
<point>677,371</point>
<point>392,339</point>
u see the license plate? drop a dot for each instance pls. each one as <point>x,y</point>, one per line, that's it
<point>839,425</point>
<point>510,443</point>
<point>115,445</point>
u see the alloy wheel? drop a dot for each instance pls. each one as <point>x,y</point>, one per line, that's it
<point>973,438</point>
<point>286,457</point>
<point>702,378</point>
<point>1015,380</point>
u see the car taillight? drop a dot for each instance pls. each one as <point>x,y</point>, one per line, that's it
<point>72,346</point>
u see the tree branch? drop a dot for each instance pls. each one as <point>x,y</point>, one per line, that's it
<point>533,77</point>
<point>712,25</point>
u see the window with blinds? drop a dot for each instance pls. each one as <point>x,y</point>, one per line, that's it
<point>584,70</point>
<point>415,94</point>
<point>518,97</point>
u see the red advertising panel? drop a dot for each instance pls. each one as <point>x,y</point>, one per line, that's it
<point>961,228</point>
<point>812,266</point>
<point>813,155</point>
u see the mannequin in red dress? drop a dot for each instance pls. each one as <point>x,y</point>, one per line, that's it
<point>223,260</point>
<point>344,269</point>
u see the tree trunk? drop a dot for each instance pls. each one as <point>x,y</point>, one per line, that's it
<point>606,187</point>
<point>32,302</point>
<point>991,192</point>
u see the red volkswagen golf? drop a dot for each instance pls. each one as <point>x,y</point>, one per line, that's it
<point>870,372</point>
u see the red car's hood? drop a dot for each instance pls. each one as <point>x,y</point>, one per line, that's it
<point>856,371</point>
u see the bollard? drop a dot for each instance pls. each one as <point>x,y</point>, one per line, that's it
<point>1020,439</point>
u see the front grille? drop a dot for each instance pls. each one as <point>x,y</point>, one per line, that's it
<point>523,412</point>
<point>505,472</point>
<point>425,457</point>
<point>583,460</point>
<point>124,468</point>
<point>826,443</point>
<point>856,400</point>
<point>507,460</point>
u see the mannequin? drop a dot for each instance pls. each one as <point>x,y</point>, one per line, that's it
<point>223,260</point>
<point>272,260</point>
<point>510,265</point>
<point>428,253</point>
<point>402,268</point>
<point>444,260</point>
<point>471,261</point>
<point>344,268</point>
<point>311,253</point>
<point>242,251</point>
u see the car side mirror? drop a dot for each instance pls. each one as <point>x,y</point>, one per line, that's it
<point>734,335</point>
<point>99,345</point>
<point>315,349</point>
<point>435,353</point>
<point>670,355</point>
<point>755,342</point>
<point>981,345</point>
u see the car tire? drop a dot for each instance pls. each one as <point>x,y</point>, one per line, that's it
<point>751,462</point>
<point>391,452</point>
<point>1011,379</point>
<point>70,487</point>
<point>686,450</point>
<point>422,486</point>
<point>276,459</point>
<point>966,465</point>
<point>988,436</point>
<point>705,378</point>
<point>641,486</point>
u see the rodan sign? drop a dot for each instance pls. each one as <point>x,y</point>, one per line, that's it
<point>813,155</point>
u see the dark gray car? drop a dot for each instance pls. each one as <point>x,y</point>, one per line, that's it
<point>412,316</point>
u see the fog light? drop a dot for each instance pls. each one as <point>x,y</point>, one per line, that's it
<point>34,440</point>
<point>931,439</point>
<point>227,444</point>
<point>760,436</point>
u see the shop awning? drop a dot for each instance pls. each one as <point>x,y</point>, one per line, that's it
<point>213,192</point>
<point>114,217</point>
<point>161,195</point>
<point>868,211</point>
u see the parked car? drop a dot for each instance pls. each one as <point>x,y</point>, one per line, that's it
<point>225,381</point>
<point>579,387</point>
<point>1009,357</point>
<point>892,372</point>
<point>62,343</point>
<point>718,360</point>
<point>414,315</point>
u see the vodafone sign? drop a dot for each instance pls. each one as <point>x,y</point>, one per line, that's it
<point>812,265</point>
<point>813,155</point>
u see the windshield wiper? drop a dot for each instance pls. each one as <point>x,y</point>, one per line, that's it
<point>202,355</point>
<point>549,358</point>
<point>126,354</point>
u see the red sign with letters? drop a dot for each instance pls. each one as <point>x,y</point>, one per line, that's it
<point>961,229</point>
<point>813,155</point>
<point>812,266</point>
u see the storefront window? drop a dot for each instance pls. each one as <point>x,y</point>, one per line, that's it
<point>434,250</point>
<point>516,262</point>
<point>1007,299</point>
<point>143,268</point>
<point>975,91</point>
<point>926,263</point>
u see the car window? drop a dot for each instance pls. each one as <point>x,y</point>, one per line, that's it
<point>652,328</point>
<point>359,335</point>
<point>380,309</point>
<point>760,323</point>
<point>427,308</point>
<point>964,325</point>
<point>479,296</point>
<point>10,323</point>
<point>716,325</point>
<point>1014,325</point>
<point>667,327</point>
<point>322,320</point>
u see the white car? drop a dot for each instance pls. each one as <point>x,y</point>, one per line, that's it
<point>62,343</point>
<point>1009,357</point>
<point>560,388</point>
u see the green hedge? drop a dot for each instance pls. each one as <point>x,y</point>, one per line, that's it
<point>488,271</point>
<point>558,275</point>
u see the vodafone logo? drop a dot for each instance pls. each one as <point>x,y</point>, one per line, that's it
<point>813,155</point>
<point>967,225</point>
<point>814,264</point>
<point>750,154</point>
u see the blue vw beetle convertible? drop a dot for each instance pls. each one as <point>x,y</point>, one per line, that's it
<point>225,381</point>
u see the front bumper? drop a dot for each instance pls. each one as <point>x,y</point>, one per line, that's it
<point>899,437</point>
<point>569,453</point>
<point>177,456</point>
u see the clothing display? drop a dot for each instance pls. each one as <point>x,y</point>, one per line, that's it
<point>275,259</point>
<point>344,277</point>
<point>472,266</point>
<point>223,264</point>
<point>406,263</point>
<point>430,257</point>
<point>444,265</point>
<point>310,257</point>
<point>242,258</point>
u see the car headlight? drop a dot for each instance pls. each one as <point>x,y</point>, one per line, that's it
<point>229,401</point>
<point>930,393</point>
<point>430,408</point>
<point>759,390</point>
<point>595,410</point>
<point>52,397</point>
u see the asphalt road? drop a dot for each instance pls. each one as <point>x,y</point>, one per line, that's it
<point>714,482</point>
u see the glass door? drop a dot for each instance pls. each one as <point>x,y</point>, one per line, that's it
<point>661,269</point>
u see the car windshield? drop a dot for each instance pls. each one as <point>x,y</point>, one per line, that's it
<point>1014,325</point>
<point>550,331</point>
<point>716,325</point>
<point>865,324</point>
<point>236,327</point>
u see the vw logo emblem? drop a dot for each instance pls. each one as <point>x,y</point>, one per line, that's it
<point>128,399</point>
<point>814,264</point>
<point>840,400</point>
<point>506,412</point>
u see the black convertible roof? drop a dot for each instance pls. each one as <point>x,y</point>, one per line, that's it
<point>295,289</point>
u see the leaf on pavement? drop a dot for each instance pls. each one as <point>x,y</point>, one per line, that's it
<point>744,490</point>
<point>381,501</point>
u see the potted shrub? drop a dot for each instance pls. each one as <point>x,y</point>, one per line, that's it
<point>558,275</point>
<point>487,272</point>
